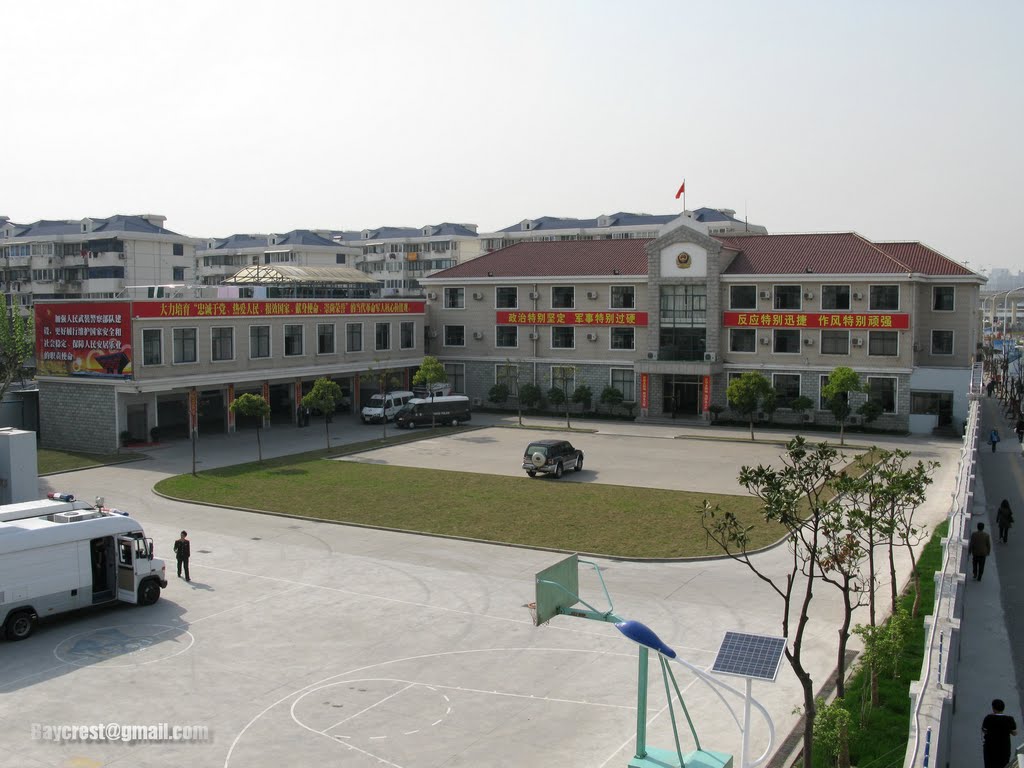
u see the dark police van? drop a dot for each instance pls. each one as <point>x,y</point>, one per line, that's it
<point>420,412</point>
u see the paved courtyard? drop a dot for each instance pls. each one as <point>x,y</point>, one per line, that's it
<point>303,643</point>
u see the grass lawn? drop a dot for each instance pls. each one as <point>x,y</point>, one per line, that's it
<point>586,517</point>
<point>50,461</point>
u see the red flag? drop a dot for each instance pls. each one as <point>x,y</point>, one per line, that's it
<point>682,189</point>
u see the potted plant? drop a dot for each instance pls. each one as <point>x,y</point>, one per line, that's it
<point>154,434</point>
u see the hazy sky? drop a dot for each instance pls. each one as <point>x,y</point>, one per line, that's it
<point>899,120</point>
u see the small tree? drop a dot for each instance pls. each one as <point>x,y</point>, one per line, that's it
<point>556,396</point>
<point>611,397</point>
<point>800,405</point>
<point>17,344</point>
<point>715,411</point>
<point>832,730</point>
<point>430,372</point>
<point>770,404</point>
<point>324,398</point>
<point>498,394</point>
<point>529,395</point>
<point>836,392</point>
<point>561,378</point>
<point>870,410</point>
<point>249,404</point>
<point>583,396</point>
<point>745,394</point>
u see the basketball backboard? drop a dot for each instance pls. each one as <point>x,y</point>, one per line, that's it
<point>558,589</point>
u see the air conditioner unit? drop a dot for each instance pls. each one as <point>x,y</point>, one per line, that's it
<point>710,357</point>
<point>122,256</point>
<point>591,294</point>
<point>432,296</point>
<point>857,341</point>
<point>534,336</point>
<point>853,420</point>
<point>591,337</point>
<point>809,295</point>
<point>808,342</point>
<point>478,296</point>
<point>765,294</point>
<point>478,335</point>
<point>652,355</point>
<point>477,402</point>
<point>534,295</point>
<point>765,340</point>
<point>808,417</point>
<point>858,296</point>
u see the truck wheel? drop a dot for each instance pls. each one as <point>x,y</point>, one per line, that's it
<point>455,422</point>
<point>579,464</point>
<point>531,473</point>
<point>20,625</point>
<point>149,592</point>
<point>558,470</point>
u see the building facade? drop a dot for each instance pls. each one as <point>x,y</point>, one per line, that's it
<point>220,259</point>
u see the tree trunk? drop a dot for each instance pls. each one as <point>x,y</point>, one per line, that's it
<point>871,575</point>
<point>917,584</point>
<point>844,637</point>
<point>843,760</point>
<point>327,432</point>
<point>751,426</point>
<point>259,445</point>
<point>842,432</point>
<point>874,686</point>
<point>893,595</point>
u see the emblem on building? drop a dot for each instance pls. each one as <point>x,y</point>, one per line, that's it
<point>683,260</point>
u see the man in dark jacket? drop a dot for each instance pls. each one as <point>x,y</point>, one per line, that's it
<point>980,547</point>
<point>998,728</point>
<point>183,549</point>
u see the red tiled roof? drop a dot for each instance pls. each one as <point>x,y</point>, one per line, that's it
<point>920,258</point>
<point>834,253</point>
<point>570,258</point>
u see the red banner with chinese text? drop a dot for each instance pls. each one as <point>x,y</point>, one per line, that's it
<point>284,308</point>
<point>571,317</point>
<point>645,390</point>
<point>828,320</point>
<point>83,339</point>
<point>706,395</point>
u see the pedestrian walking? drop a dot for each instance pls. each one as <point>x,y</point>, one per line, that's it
<point>1004,519</point>
<point>993,438</point>
<point>990,386</point>
<point>183,550</point>
<point>997,728</point>
<point>980,547</point>
<point>1019,429</point>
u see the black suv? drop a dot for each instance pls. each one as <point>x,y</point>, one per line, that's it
<point>551,457</point>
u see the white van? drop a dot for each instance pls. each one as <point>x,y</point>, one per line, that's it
<point>384,407</point>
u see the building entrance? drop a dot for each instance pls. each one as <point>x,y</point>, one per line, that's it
<point>681,395</point>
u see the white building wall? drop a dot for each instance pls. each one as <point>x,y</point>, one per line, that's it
<point>955,380</point>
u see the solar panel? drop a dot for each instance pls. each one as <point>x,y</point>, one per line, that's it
<point>756,656</point>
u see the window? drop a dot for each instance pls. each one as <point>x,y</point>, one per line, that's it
<point>184,345</point>
<point>786,342</point>
<point>787,388</point>
<point>563,337</point>
<point>178,249</point>
<point>454,298</point>
<point>882,390</point>
<point>622,338</point>
<point>508,374</point>
<point>564,377</point>
<point>177,274</point>
<point>455,335</point>
<point>259,341</point>
<point>407,334</point>
<point>456,376</point>
<point>932,403</point>
<point>942,342</point>
<point>353,337</point>
<point>742,340</point>
<point>623,297</point>
<point>683,306</point>
<point>506,297</point>
<point>742,297</point>
<point>506,336</point>
<point>222,344</point>
<point>325,338</point>
<point>339,258</point>
<point>835,297</point>
<point>835,342</point>
<point>883,343</point>
<point>292,340</point>
<point>152,346</point>
<point>884,297</point>
<point>787,297</point>
<point>382,336</point>
<point>822,402</point>
<point>943,298</point>
<point>563,297</point>
<point>623,380</point>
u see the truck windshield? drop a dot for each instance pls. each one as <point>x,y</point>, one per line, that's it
<point>377,401</point>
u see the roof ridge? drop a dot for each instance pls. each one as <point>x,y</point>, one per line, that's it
<point>884,252</point>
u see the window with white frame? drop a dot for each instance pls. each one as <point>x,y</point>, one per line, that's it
<point>563,337</point>
<point>382,336</point>
<point>184,345</point>
<point>883,343</point>
<point>353,337</point>
<point>564,378</point>
<point>506,297</point>
<point>786,341</point>
<point>943,298</point>
<point>822,383</point>
<point>788,297</point>
<point>456,376</point>
<point>507,374</point>
<point>293,340</point>
<point>506,336</point>
<point>222,344</point>
<point>742,340</point>
<point>455,335</point>
<point>325,338</point>
<point>623,297</point>
<point>563,297</point>
<point>454,298</point>
<point>835,297</point>
<point>407,334</point>
<point>882,390</point>
<point>787,388</point>
<point>742,297</point>
<point>259,341</point>
<point>622,338</point>
<point>884,298</point>
<point>624,380</point>
<point>152,346</point>
<point>942,342</point>
<point>835,342</point>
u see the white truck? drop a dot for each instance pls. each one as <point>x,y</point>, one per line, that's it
<point>58,556</point>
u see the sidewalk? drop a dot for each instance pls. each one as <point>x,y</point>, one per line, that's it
<point>992,627</point>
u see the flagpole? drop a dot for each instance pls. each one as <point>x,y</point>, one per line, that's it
<point>684,195</point>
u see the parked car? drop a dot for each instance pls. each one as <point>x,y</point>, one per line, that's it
<point>551,457</point>
<point>453,410</point>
